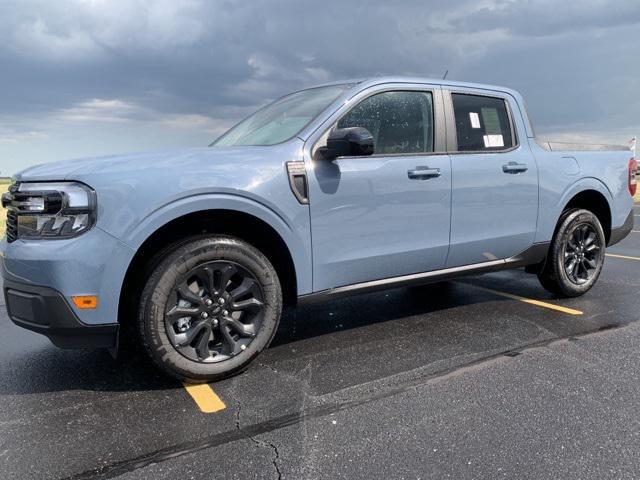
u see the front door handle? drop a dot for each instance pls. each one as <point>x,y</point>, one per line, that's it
<point>513,167</point>
<point>423,172</point>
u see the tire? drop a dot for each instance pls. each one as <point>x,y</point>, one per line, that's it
<point>209,307</point>
<point>579,240</point>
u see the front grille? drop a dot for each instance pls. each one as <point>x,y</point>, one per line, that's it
<point>12,226</point>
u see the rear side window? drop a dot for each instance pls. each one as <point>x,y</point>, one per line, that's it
<point>400,122</point>
<point>482,123</point>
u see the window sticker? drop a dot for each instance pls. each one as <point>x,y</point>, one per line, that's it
<point>475,120</point>
<point>491,121</point>
<point>493,141</point>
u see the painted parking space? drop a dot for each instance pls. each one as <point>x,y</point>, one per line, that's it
<point>324,359</point>
<point>532,301</point>
<point>624,257</point>
<point>205,397</point>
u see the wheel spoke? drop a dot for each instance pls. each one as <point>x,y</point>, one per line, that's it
<point>585,270</point>
<point>247,330</point>
<point>591,237</point>
<point>181,312</point>
<point>182,339</point>
<point>592,248</point>
<point>202,346</point>
<point>226,273</point>
<point>210,278</point>
<point>252,304</point>
<point>230,345</point>
<point>591,263</point>
<point>189,295</point>
<point>582,231</point>
<point>247,286</point>
<point>573,270</point>
<point>575,273</point>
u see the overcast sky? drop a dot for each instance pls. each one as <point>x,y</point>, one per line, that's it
<point>88,77</point>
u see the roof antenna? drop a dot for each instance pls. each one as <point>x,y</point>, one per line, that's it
<point>445,75</point>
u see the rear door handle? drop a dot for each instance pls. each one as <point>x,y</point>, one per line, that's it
<point>423,172</point>
<point>513,167</point>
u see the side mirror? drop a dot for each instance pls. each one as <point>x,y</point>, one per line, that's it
<point>347,142</point>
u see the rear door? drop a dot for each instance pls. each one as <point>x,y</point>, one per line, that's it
<point>494,178</point>
<point>388,214</point>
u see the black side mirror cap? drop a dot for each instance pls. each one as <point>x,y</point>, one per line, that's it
<point>347,142</point>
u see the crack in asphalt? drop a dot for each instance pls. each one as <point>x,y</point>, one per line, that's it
<point>259,443</point>
<point>317,411</point>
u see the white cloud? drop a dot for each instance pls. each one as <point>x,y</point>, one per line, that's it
<point>196,122</point>
<point>15,137</point>
<point>100,110</point>
<point>114,111</point>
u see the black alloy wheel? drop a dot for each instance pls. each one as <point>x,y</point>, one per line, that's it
<point>214,312</point>
<point>581,253</point>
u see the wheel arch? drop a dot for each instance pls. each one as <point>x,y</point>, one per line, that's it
<point>596,202</point>
<point>250,228</point>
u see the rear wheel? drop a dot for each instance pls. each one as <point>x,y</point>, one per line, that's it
<point>576,254</point>
<point>209,308</point>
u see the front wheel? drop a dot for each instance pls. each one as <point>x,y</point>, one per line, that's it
<point>576,254</point>
<point>209,308</point>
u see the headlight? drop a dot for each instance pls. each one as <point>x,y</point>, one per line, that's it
<point>49,210</point>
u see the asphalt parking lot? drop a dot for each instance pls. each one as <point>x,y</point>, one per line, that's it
<point>485,377</point>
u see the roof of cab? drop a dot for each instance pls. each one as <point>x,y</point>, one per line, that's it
<point>371,81</point>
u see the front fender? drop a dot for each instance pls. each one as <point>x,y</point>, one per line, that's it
<point>294,232</point>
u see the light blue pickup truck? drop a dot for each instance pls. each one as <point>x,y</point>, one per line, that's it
<point>345,188</point>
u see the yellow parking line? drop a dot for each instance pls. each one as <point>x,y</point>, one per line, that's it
<point>531,301</point>
<point>205,398</point>
<point>627,257</point>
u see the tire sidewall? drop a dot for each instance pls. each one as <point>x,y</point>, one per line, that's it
<point>161,283</point>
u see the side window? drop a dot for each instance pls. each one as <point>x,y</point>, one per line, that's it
<point>482,123</point>
<point>400,122</point>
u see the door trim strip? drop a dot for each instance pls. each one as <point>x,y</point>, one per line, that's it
<point>532,255</point>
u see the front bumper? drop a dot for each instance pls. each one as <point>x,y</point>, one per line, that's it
<point>46,311</point>
<point>40,277</point>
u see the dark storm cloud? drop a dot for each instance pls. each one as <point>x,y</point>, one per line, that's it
<point>203,64</point>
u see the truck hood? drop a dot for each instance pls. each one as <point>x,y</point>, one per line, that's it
<point>79,169</point>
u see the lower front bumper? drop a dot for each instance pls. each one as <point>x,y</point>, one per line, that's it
<point>44,310</point>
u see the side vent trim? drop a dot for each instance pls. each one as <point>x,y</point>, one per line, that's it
<point>298,181</point>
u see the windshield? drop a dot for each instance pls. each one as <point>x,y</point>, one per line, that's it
<point>282,119</point>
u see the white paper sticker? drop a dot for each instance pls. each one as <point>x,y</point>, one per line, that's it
<point>475,120</point>
<point>493,141</point>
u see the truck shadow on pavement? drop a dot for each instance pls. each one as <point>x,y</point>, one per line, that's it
<point>433,316</point>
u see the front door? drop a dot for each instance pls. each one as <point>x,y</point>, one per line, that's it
<point>495,181</point>
<point>387,214</point>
